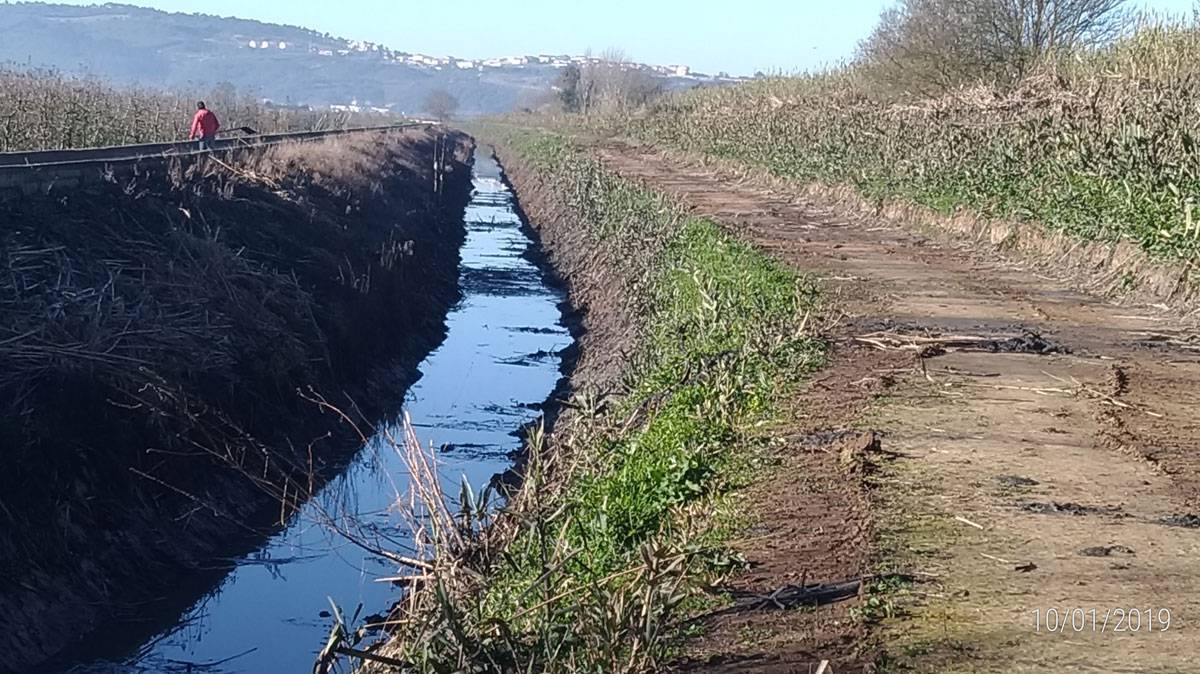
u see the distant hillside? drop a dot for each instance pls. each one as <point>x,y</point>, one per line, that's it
<point>286,64</point>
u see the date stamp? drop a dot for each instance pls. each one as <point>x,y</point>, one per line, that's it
<point>1069,620</point>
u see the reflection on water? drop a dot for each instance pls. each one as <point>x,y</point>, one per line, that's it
<point>499,363</point>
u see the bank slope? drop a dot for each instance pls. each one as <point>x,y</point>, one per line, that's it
<point>612,542</point>
<point>162,333</point>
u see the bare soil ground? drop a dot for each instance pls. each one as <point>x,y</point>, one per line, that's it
<point>1014,447</point>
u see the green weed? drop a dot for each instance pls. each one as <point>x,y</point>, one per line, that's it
<point>1102,146</point>
<point>618,534</point>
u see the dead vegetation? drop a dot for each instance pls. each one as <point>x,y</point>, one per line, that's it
<point>157,333</point>
<point>931,47</point>
<point>42,110</point>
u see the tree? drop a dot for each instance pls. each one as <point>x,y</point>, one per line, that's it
<point>441,104</point>
<point>567,87</point>
<point>929,46</point>
<point>612,83</point>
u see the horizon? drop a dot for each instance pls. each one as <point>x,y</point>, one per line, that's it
<point>811,38</point>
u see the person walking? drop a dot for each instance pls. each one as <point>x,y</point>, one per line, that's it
<point>204,126</point>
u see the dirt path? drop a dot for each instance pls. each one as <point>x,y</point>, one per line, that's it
<point>1041,468</point>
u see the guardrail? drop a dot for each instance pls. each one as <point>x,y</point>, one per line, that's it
<point>43,158</point>
<point>59,171</point>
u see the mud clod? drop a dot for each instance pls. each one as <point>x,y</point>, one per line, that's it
<point>1029,342</point>
<point>1056,508</point>
<point>1106,551</point>
<point>792,596</point>
<point>1016,481</point>
<point>1185,521</point>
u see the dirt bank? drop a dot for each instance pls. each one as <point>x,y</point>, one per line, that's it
<point>601,320</point>
<point>615,534</point>
<point>1012,475</point>
<point>163,342</point>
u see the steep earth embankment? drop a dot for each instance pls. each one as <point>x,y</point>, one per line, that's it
<point>163,343</point>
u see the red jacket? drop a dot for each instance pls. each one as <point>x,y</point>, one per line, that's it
<point>204,124</point>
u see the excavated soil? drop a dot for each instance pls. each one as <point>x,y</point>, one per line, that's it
<point>986,444</point>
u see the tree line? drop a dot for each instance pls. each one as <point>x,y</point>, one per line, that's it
<point>926,47</point>
<point>611,84</point>
<point>918,48</point>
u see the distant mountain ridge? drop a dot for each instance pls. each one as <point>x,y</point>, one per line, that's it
<point>286,64</point>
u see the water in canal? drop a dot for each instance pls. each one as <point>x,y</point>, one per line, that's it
<point>498,364</point>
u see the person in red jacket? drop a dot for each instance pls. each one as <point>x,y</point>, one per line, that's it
<point>204,126</point>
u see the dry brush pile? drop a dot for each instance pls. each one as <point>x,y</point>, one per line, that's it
<point>165,339</point>
<point>1101,146</point>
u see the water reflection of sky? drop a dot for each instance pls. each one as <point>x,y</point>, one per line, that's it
<point>498,364</point>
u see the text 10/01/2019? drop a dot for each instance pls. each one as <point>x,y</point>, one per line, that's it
<point>1099,621</point>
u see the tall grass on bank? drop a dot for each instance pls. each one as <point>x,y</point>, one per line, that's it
<point>617,528</point>
<point>152,352</point>
<point>1101,145</point>
<point>42,109</point>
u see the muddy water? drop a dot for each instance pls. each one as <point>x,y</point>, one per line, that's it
<point>499,363</point>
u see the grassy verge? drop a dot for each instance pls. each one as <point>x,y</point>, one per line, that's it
<point>620,525</point>
<point>1097,160</point>
<point>1100,147</point>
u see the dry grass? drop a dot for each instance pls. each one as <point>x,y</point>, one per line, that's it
<point>42,109</point>
<point>157,334</point>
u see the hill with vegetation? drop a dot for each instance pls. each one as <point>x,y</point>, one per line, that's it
<point>287,64</point>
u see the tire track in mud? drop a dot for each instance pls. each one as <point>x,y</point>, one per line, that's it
<point>970,437</point>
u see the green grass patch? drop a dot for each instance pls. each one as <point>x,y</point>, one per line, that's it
<point>1117,164</point>
<point>622,542</point>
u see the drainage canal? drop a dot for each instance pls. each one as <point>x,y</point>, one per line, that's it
<point>499,363</point>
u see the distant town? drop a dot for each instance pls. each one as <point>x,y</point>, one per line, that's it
<point>326,46</point>
<point>351,47</point>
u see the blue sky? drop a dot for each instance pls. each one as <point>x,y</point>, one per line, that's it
<point>710,35</point>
